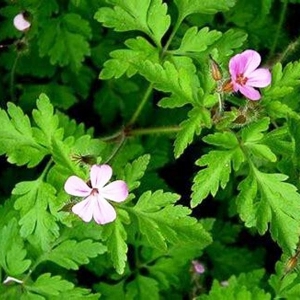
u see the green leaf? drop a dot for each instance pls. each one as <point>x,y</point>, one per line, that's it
<point>62,96</point>
<point>17,138</point>
<point>65,40</point>
<point>198,117</point>
<point>284,81</point>
<point>135,171</point>
<point>49,286</point>
<point>218,167</point>
<point>230,40</point>
<point>252,139</point>
<point>12,252</point>
<point>226,140</point>
<point>245,286</point>
<point>143,288</point>
<point>115,236</point>
<point>253,132</point>
<point>197,41</point>
<point>37,223</point>
<point>126,60</point>
<point>266,198</point>
<point>71,254</point>
<point>188,7</point>
<point>76,293</point>
<point>147,16</point>
<point>46,120</point>
<point>182,83</point>
<point>162,223</point>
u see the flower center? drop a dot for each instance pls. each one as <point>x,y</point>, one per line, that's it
<point>241,80</point>
<point>94,191</point>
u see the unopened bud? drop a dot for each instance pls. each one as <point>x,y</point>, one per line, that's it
<point>21,23</point>
<point>227,86</point>
<point>215,69</point>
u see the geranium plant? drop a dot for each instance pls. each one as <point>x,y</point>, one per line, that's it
<point>149,149</point>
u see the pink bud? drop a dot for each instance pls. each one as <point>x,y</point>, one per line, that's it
<point>21,23</point>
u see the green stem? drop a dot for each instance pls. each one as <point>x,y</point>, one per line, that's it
<point>45,171</point>
<point>117,148</point>
<point>176,27</point>
<point>279,26</point>
<point>154,130</point>
<point>12,79</point>
<point>141,105</point>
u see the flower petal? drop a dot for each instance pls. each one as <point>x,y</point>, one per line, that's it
<point>259,78</point>
<point>75,186</point>
<point>244,63</point>
<point>104,212</point>
<point>253,61</point>
<point>100,175</point>
<point>85,209</point>
<point>116,191</point>
<point>250,92</point>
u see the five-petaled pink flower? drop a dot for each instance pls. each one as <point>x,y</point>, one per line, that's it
<point>246,76</point>
<point>96,193</point>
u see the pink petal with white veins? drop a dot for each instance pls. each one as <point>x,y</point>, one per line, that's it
<point>116,191</point>
<point>20,23</point>
<point>250,92</point>
<point>85,209</point>
<point>104,212</point>
<point>100,175</point>
<point>259,78</point>
<point>75,186</point>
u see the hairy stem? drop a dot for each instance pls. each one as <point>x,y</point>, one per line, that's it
<point>141,105</point>
<point>154,130</point>
<point>12,79</point>
<point>279,26</point>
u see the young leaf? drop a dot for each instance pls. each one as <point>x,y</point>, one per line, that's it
<point>37,223</point>
<point>17,138</point>
<point>266,198</point>
<point>12,252</point>
<point>197,41</point>
<point>147,16</point>
<point>188,7</point>
<point>65,40</point>
<point>135,171</point>
<point>71,254</point>
<point>198,117</point>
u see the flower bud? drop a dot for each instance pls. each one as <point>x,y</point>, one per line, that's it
<point>227,86</point>
<point>215,70</point>
<point>21,23</point>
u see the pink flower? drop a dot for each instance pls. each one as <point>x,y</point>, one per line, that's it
<point>96,193</point>
<point>21,23</point>
<point>245,76</point>
<point>198,267</point>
